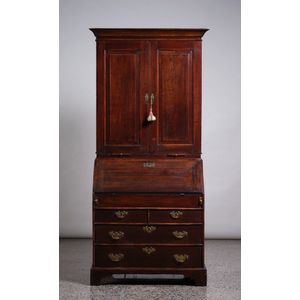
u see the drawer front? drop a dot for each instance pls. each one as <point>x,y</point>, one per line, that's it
<point>176,216</point>
<point>120,216</point>
<point>148,256</point>
<point>142,175</point>
<point>137,234</point>
<point>148,200</point>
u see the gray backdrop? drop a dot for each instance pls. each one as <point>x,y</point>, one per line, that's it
<point>221,101</point>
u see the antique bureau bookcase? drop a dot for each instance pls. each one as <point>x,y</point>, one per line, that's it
<point>148,194</point>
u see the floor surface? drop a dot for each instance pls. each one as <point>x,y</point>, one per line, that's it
<point>223,272</point>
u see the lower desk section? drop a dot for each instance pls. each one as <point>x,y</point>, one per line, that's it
<point>148,234</point>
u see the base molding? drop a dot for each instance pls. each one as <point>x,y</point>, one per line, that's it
<point>192,276</point>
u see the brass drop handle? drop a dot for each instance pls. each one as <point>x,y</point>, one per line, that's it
<point>116,235</point>
<point>176,214</point>
<point>115,256</point>
<point>149,229</point>
<point>121,214</point>
<point>180,234</point>
<point>149,250</point>
<point>181,258</point>
<point>151,116</point>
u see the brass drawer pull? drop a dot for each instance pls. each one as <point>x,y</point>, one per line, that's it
<point>116,235</point>
<point>116,256</point>
<point>121,214</point>
<point>181,258</point>
<point>180,234</point>
<point>176,214</point>
<point>149,250</point>
<point>149,229</point>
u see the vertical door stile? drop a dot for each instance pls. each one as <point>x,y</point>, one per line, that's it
<point>153,126</point>
<point>148,90</point>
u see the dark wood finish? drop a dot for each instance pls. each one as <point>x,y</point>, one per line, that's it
<point>147,200</point>
<point>148,191</point>
<point>176,82</point>
<point>135,234</point>
<point>122,81</point>
<point>147,175</point>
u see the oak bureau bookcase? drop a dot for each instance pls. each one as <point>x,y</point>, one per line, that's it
<point>148,194</point>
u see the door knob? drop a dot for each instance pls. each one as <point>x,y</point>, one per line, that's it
<point>151,116</point>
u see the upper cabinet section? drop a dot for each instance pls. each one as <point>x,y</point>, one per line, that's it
<point>143,73</point>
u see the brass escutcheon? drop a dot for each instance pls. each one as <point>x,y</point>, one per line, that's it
<point>175,214</point>
<point>200,200</point>
<point>149,164</point>
<point>149,229</point>
<point>116,256</point>
<point>181,258</point>
<point>121,214</point>
<point>116,235</point>
<point>180,234</point>
<point>149,250</point>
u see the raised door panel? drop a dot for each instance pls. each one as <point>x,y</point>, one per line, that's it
<point>176,82</point>
<point>122,80</point>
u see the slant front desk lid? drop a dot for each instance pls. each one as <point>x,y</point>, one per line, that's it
<point>148,175</point>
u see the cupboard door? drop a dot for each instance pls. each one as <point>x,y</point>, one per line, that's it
<point>121,86</point>
<point>175,72</point>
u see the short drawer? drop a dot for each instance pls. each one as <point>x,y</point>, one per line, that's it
<point>148,200</point>
<point>176,216</point>
<point>148,256</point>
<point>145,234</point>
<point>120,216</point>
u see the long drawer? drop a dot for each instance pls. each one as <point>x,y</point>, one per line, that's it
<point>148,200</point>
<point>143,234</point>
<point>148,175</point>
<point>148,256</point>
